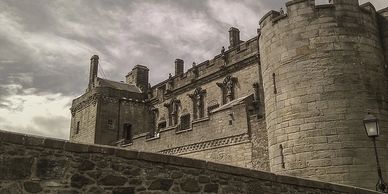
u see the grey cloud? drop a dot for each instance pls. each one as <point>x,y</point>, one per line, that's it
<point>52,126</point>
<point>45,45</point>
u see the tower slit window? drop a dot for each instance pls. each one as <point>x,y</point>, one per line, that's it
<point>275,91</point>
<point>77,129</point>
<point>282,155</point>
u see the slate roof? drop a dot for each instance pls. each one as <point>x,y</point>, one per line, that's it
<point>118,85</point>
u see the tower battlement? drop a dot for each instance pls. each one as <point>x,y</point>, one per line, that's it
<point>304,8</point>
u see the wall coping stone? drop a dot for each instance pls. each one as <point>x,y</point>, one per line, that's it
<point>59,144</point>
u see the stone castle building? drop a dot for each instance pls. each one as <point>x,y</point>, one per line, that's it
<point>290,100</point>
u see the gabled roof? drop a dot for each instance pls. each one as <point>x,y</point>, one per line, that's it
<point>118,85</point>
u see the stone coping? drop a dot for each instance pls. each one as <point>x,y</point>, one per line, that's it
<point>51,143</point>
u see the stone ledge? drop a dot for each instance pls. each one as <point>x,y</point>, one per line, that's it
<point>30,140</point>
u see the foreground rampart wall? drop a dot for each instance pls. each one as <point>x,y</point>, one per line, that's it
<point>38,165</point>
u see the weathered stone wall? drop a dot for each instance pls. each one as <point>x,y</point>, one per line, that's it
<point>36,165</point>
<point>246,77</point>
<point>383,21</point>
<point>259,140</point>
<point>235,154</point>
<point>211,129</point>
<point>86,115</point>
<point>322,71</point>
<point>135,113</point>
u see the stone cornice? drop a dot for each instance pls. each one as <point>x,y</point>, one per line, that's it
<point>227,141</point>
<point>97,97</point>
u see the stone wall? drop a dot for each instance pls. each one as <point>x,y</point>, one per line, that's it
<point>84,118</point>
<point>207,131</point>
<point>323,71</point>
<point>383,21</point>
<point>259,139</point>
<point>37,165</point>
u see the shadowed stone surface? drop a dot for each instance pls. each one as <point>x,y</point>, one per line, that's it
<point>79,181</point>
<point>161,184</point>
<point>32,187</point>
<point>112,180</point>
<point>15,168</point>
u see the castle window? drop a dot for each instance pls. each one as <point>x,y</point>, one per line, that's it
<point>127,135</point>
<point>162,125</point>
<point>173,111</point>
<point>77,129</point>
<point>228,89</point>
<point>185,122</point>
<point>110,124</point>
<point>198,103</point>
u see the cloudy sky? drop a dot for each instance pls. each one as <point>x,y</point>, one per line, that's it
<point>45,47</point>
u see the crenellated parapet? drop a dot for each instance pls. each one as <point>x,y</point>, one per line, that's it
<point>228,61</point>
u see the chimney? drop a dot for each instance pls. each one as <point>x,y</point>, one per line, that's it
<point>93,70</point>
<point>234,37</point>
<point>179,67</point>
<point>139,77</point>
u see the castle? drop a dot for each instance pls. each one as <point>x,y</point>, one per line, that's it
<point>290,100</point>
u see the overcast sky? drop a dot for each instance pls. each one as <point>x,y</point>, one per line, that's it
<point>46,45</point>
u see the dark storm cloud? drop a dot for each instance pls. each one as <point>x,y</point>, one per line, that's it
<point>53,40</point>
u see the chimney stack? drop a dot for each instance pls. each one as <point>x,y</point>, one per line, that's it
<point>179,67</point>
<point>93,70</point>
<point>234,37</point>
<point>139,76</point>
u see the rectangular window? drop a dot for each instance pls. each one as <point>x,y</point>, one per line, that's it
<point>127,135</point>
<point>77,129</point>
<point>110,124</point>
<point>185,122</point>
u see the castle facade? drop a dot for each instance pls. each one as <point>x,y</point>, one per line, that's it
<point>290,100</point>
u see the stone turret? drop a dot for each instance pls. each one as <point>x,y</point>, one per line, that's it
<point>322,71</point>
<point>93,71</point>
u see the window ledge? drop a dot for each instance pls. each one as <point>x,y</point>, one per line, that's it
<point>201,120</point>
<point>126,145</point>
<point>183,131</point>
<point>153,138</point>
<point>169,128</point>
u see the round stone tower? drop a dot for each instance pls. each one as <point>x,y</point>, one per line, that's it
<point>383,21</point>
<point>323,70</point>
